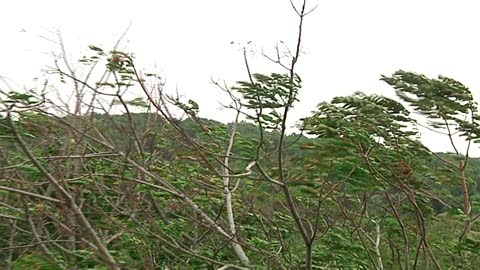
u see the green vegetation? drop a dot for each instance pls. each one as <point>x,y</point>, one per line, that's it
<point>112,178</point>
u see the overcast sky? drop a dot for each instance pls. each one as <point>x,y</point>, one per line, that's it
<point>347,44</point>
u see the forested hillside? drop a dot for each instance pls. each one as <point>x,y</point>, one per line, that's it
<point>154,191</point>
<point>104,169</point>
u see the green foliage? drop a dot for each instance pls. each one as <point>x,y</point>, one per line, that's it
<point>268,96</point>
<point>445,101</point>
<point>366,189</point>
<point>35,262</point>
<point>339,250</point>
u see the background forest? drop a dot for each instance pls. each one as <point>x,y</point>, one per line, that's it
<point>105,170</point>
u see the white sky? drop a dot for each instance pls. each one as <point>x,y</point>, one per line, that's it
<point>348,44</point>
